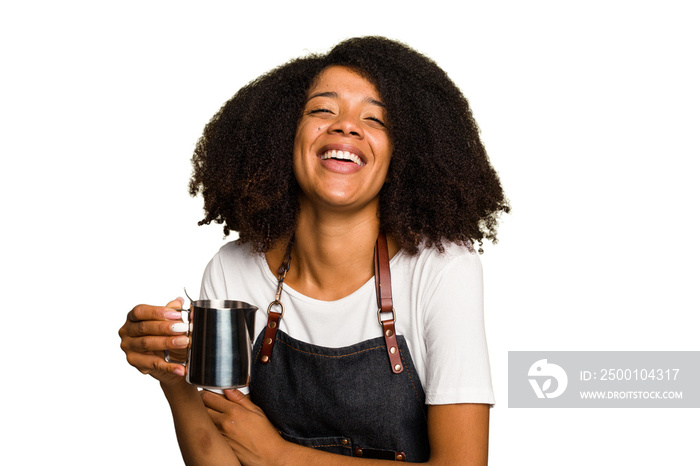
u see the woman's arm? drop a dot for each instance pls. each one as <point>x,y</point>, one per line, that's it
<point>458,435</point>
<point>147,332</point>
<point>199,439</point>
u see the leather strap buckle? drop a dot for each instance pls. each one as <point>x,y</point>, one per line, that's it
<point>276,302</point>
<point>379,315</point>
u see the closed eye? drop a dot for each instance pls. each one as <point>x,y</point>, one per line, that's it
<point>377,120</point>
<point>318,110</point>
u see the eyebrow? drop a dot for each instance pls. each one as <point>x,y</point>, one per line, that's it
<point>334,95</point>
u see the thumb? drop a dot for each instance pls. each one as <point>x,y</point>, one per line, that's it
<point>176,303</point>
<point>239,398</point>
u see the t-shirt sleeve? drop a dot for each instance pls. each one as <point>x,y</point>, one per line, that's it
<point>457,360</point>
<point>213,282</point>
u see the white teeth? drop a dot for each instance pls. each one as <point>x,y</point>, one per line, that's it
<point>342,155</point>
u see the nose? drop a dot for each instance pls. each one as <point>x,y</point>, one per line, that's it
<point>346,124</point>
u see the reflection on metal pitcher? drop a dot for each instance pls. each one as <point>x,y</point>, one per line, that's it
<point>221,339</point>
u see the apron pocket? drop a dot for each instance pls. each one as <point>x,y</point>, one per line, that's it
<point>337,445</point>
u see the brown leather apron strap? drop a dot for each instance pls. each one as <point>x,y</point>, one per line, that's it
<point>273,323</point>
<point>385,304</point>
<point>273,318</point>
<point>382,274</point>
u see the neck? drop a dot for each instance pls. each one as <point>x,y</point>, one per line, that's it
<point>333,254</point>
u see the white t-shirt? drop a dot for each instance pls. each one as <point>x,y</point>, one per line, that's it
<point>438,298</point>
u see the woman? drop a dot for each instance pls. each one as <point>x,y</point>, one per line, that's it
<point>324,165</point>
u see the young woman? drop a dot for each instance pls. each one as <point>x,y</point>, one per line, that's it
<point>359,186</point>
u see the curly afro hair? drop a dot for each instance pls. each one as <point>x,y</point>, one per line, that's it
<point>441,186</point>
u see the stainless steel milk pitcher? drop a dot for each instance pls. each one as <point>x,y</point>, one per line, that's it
<point>221,341</point>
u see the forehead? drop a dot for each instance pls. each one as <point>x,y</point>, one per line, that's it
<point>342,79</point>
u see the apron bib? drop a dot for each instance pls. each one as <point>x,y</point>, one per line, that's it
<point>361,400</point>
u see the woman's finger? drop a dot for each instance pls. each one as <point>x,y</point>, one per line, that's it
<point>154,328</point>
<point>147,363</point>
<point>146,344</point>
<point>146,312</point>
<point>216,402</point>
<point>242,400</point>
<point>176,303</point>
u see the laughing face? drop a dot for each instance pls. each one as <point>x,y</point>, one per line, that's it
<point>342,147</point>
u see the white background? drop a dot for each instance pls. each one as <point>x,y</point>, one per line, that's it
<point>589,111</point>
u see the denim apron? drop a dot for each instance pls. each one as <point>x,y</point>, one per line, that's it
<point>362,400</point>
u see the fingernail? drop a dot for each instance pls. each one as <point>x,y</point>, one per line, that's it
<point>179,327</point>
<point>173,315</point>
<point>179,370</point>
<point>181,341</point>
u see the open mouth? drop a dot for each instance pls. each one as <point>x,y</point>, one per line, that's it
<point>342,155</point>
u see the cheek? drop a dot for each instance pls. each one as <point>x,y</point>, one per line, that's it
<point>306,134</point>
<point>383,148</point>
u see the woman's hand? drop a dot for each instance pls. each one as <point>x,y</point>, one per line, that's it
<point>246,428</point>
<point>147,332</point>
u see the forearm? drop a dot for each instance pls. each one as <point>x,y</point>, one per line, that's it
<point>199,439</point>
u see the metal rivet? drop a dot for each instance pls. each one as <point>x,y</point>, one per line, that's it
<point>274,324</point>
<point>397,367</point>
<point>268,341</point>
<point>265,358</point>
<point>344,441</point>
<point>400,457</point>
<point>388,333</point>
<point>392,350</point>
<point>358,451</point>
